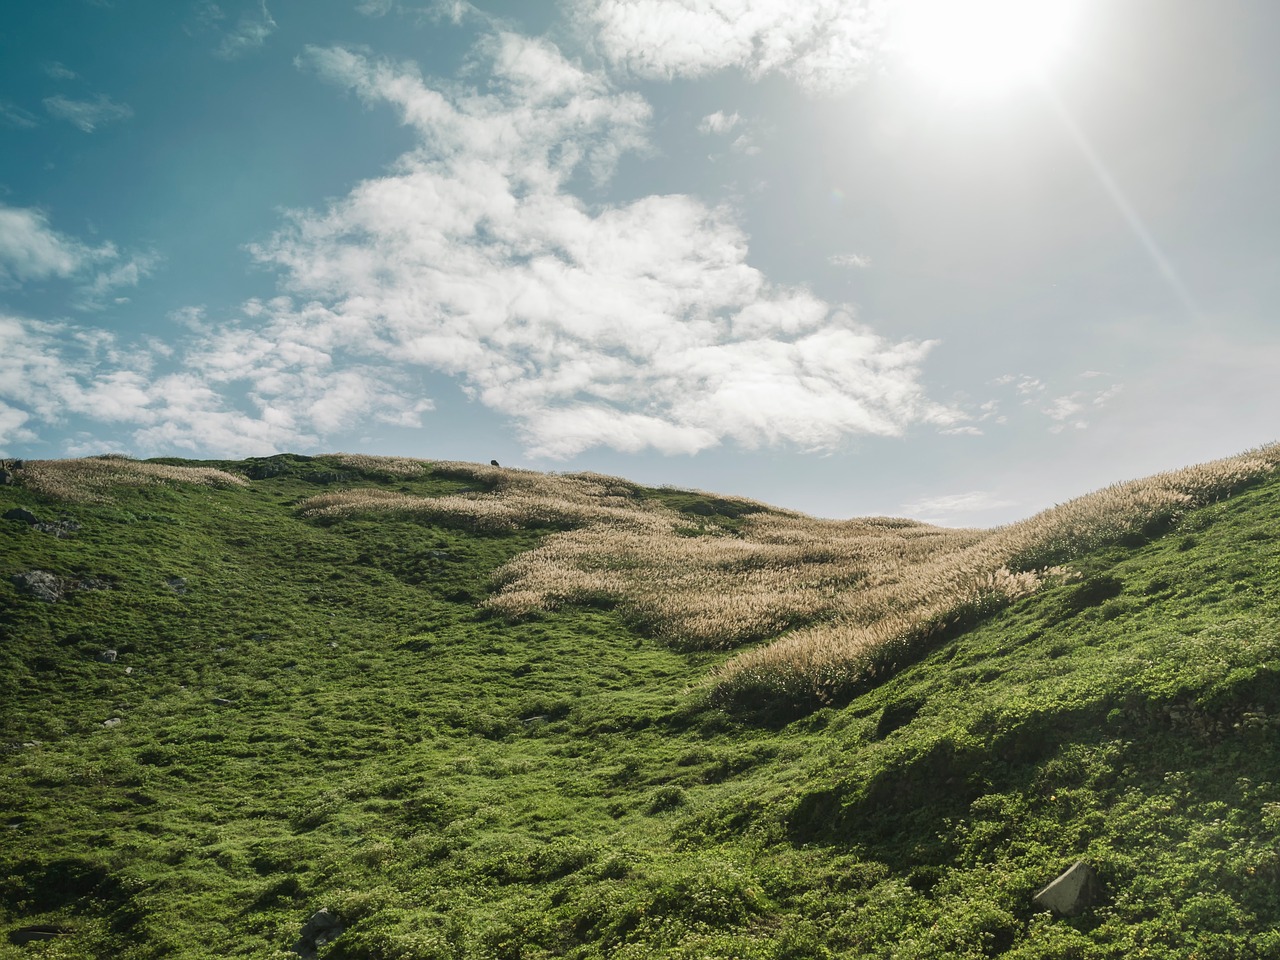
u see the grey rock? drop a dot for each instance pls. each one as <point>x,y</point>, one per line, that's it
<point>113,722</point>
<point>62,529</point>
<point>326,477</point>
<point>108,656</point>
<point>1074,892</point>
<point>18,513</point>
<point>177,584</point>
<point>264,471</point>
<point>223,702</point>
<point>323,926</point>
<point>89,583</point>
<point>40,584</point>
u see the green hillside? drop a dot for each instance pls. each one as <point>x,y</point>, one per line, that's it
<point>481,713</point>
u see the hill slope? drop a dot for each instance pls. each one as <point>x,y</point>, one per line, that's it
<point>469,711</point>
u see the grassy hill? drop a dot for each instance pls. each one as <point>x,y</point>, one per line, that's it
<point>478,712</point>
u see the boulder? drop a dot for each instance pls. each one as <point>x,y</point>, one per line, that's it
<point>108,656</point>
<point>177,584</point>
<point>62,529</point>
<point>18,513</point>
<point>89,583</point>
<point>323,926</point>
<point>40,584</point>
<point>1074,892</point>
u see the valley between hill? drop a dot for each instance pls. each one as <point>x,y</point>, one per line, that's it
<point>485,713</point>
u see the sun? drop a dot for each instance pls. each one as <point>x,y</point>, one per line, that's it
<point>974,48</point>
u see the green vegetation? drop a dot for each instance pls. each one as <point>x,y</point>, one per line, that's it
<point>313,710</point>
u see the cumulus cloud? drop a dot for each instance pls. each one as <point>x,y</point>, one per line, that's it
<point>636,325</point>
<point>633,325</point>
<point>31,250</point>
<point>718,123</point>
<point>823,45</point>
<point>87,115</point>
<point>232,392</point>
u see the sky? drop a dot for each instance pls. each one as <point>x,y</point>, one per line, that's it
<point>942,259</point>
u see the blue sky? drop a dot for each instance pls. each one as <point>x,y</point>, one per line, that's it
<point>788,250</point>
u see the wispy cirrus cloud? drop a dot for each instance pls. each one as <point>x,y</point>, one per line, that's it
<point>857,261</point>
<point>1073,410</point>
<point>958,508</point>
<point>823,45</point>
<point>14,116</point>
<point>250,33</point>
<point>58,71</point>
<point>87,115</point>
<point>723,124</point>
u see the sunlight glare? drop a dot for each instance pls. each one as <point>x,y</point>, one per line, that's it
<point>981,47</point>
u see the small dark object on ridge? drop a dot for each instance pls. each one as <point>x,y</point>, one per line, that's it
<point>494,463</point>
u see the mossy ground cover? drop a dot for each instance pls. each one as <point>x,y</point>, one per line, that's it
<point>321,715</point>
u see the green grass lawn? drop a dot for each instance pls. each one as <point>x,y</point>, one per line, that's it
<point>321,715</point>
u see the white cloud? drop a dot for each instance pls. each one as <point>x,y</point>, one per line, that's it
<point>973,508</point>
<point>718,123</point>
<point>251,32</point>
<point>629,325</point>
<point>12,427</point>
<point>1064,408</point>
<point>824,45</point>
<point>855,260</point>
<point>58,71</point>
<point>15,116</point>
<point>88,115</point>
<point>232,392</point>
<point>126,273</point>
<point>31,250</point>
<point>636,325</point>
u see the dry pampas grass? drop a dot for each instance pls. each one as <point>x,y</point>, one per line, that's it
<point>92,479</point>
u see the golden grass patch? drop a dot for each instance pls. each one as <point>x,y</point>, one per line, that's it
<point>91,479</point>
<point>844,602</point>
<point>390,466</point>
